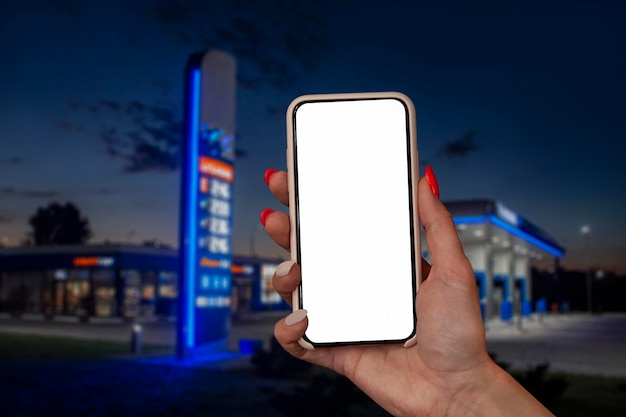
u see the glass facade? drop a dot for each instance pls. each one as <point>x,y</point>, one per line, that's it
<point>118,285</point>
<point>105,304</point>
<point>88,293</point>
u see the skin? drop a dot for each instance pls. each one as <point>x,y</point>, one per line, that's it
<point>448,371</point>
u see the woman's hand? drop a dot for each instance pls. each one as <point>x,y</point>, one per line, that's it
<point>448,370</point>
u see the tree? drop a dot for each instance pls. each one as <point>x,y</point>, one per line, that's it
<point>58,224</point>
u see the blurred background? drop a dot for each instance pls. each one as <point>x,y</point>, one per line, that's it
<point>518,102</point>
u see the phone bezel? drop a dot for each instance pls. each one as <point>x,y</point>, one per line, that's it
<point>413,177</point>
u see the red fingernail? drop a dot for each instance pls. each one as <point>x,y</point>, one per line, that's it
<point>268,174</point>
<point>432,181</point>
<point>266,212</point>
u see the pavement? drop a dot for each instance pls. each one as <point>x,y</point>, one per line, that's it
<point>574,343</point>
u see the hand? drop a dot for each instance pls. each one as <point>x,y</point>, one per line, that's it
<point>448,370</point>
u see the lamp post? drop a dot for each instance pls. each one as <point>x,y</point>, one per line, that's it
<point>252,241</point>
<point>585,230</point>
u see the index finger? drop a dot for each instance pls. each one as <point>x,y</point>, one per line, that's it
<point>277,182</point>
<point>442,239</point>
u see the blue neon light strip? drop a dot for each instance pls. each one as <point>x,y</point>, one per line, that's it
<point>511,229</point>
<point>469,220</point>
<point>192,207</point>
<point>525,236</point>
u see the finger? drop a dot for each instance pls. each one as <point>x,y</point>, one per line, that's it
<point>289,330</point>
<point>441,236</point>
<point>286,279</point>
<point>277,227</point>
<point>277,183</point>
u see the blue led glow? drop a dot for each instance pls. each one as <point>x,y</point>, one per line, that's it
<point>470,220</point>
<point>511,229</point>
<point>192,206</point>
<point>525,236</point>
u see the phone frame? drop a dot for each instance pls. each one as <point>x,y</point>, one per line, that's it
<point>413,166</point>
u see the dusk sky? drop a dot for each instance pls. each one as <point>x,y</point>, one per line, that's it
<point>543,85</point>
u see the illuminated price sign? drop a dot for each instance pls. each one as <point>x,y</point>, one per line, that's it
<point>207,202</point>
<point>213,286</point>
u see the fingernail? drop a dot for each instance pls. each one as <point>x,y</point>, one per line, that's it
<point>432,181</point>
<point>295,317</point>
<point>266,212</point>
<point>268,174</point>
<point>284,268</point>
<point>411,342</point>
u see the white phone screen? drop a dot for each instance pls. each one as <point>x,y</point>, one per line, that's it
<point>355,234</point>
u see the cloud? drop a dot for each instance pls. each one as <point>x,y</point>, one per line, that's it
<point>5,219</point>
<point>461,147</point>
<point>94,191</point>
<point>71,127</point>
<point>12,160</point>
<point>104,191</point>
<point>10,191</point>
<point>29,193</point>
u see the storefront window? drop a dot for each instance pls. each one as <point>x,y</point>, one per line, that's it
<point>47,297</point>
<point>104,293</point>
<point>242,295</point>
<point>32,282</point>
<point>15,293</point>
<point>268,294</point>
<point>132,292</point>
<point>59,294</point>
<point>167,293</point>
<point>77,297</point>
<point>168,284</point>
<point>148,293</point>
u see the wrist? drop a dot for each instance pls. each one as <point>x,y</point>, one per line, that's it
<point>491,391</point>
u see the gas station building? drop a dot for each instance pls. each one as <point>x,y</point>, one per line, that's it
<point>501,245</point>
<point>130,281</point>
<point>113,281</point>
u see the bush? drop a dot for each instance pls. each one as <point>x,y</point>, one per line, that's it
<point>547,389</point>
<point>537,380</point>
<point>277,363</point>
<point>310,390</point>
<point>326,395</point>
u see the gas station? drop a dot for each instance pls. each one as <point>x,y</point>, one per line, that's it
<point>208,285</point>
<point>502,245</point>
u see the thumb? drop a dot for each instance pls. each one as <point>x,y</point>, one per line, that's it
<point>441,237</point>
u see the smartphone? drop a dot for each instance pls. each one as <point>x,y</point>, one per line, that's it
<point>353,172</point>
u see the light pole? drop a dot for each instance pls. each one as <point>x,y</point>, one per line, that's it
<point>585,230</point>
<point>252,240</point>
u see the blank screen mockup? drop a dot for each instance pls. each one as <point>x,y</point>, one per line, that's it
<point>354,220</point>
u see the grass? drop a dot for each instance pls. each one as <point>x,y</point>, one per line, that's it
<point>16,347</point>
<point>72,377</point>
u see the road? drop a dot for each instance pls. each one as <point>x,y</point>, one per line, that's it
<point>573,343</point>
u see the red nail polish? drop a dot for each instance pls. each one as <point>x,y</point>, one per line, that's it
<point>432,181</point>
<point>266,212</point>
<point>268,174</point>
